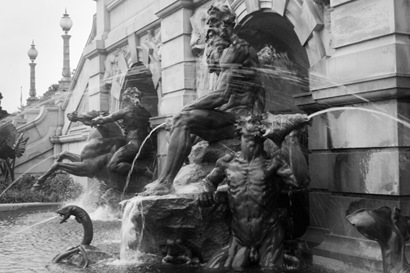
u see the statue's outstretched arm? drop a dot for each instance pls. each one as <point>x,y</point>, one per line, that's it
<point>111,117</point>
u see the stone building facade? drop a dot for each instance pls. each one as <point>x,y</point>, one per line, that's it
<point>353,53</point>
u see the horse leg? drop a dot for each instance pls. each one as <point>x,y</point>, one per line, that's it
<point>70,156</point>
<point>43,178</point>
<point>74,168</point>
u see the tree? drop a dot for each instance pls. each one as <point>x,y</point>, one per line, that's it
<point>52,90</point>
<point>3,113</point>
<point>12,146</point>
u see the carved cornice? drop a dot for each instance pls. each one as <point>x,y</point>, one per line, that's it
<point>177,5</point>
<point>95,49</point>
<point>113,4</point>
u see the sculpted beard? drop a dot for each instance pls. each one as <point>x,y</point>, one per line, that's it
<point>215,45</point>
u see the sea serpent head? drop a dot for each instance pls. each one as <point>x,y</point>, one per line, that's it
<point>65,212</point>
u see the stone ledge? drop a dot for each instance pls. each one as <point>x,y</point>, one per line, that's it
<point>19,206</point>
<point>349,253</point>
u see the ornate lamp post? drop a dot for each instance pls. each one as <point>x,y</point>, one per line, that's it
<point>32,54</point>
<point>66,23</point>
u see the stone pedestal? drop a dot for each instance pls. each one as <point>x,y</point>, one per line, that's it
<point>158,219</point>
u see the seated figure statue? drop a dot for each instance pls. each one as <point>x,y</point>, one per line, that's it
<point>212,117</point>
<point>254,183</point>
<point>135,121</point>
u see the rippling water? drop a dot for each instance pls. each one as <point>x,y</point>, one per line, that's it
<point>28,248</point>
<point>28,243</point>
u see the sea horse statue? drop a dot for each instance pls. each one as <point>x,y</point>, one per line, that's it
<point>83,254</point>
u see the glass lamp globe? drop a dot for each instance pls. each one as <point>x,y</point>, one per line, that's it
<point>66,23</point>
<point>32,52</point>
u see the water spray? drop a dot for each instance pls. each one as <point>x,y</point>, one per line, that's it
<point>136,157</point>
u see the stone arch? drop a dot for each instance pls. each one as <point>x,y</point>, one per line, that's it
<point>306,17</point>
<point>292,26</point>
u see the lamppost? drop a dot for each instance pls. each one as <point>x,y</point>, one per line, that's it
<point>66,23</point>
<point>32,54</point>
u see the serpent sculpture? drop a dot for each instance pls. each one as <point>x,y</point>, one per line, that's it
<point>83,254</point>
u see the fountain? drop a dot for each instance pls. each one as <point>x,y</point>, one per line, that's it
<point>252,229</point>
<point>208,203</point>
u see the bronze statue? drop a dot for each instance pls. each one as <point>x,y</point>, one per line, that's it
<point>109,153</point>
<point>254,184</point>
<point>135,121</point>
<point>212,117</point>
<point>390,229</point>
<point>181,252</point>
<point>83,254</point>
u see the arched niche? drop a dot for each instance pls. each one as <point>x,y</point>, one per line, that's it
<point>141,77</point>
<point>288,75</point>
<point>292,26</point>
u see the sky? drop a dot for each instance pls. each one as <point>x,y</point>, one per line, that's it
<point>23,21</point>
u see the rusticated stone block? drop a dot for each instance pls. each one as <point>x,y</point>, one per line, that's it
<point>309,20</point>
<point>252,5</point>
<point>279,6</point>
<point>360,126</point>
<point>179,76</point>
<point>176,24</point>
<point>362,20</point>
<point>371,171</point>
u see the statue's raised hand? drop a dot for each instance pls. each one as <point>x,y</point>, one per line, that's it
<point>206,199</point>
<point>97,121</point>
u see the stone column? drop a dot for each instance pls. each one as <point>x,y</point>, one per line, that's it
<point>360,158</point>
<point>64,83</point>
<point>32,54</point>
<point>96,54</point>
<point>66,56</point>
<point>178,64</point>
<point>32,92</point>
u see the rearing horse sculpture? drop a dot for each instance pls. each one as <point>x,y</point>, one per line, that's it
<point>109,153</point>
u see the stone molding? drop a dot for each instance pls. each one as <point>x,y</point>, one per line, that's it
<point>39,119</point>
<point>171,8</point>
<point>113,4</point>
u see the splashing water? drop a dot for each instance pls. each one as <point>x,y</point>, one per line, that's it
<point>136,157</point>
<point>405,123</point>
<point>16,180</point>
<point>129,233</point>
